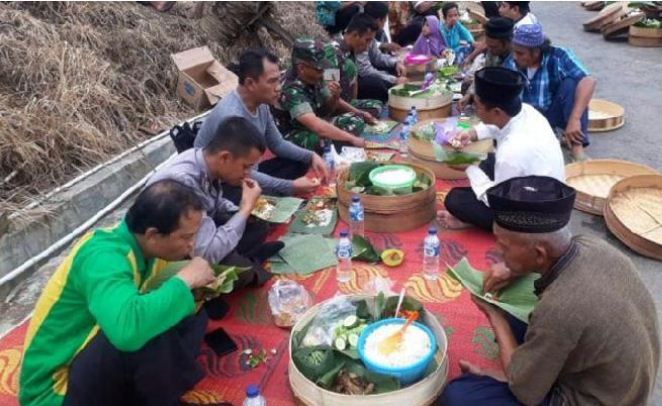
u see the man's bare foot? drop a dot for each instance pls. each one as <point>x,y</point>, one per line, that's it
<point>450,222</point>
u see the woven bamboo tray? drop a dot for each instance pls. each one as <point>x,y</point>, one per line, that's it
<point>609,14</point>
<point>437,106</point>
<point>594,5</point>
<point>642,32</point>
<point>633,213</point>
<point>422,393</point>
<point>391,214</point>
<point>594,179</point>
<point>647,42</point>
<point>604,116</point>
<point>421,153</point>
<point>621,26</point>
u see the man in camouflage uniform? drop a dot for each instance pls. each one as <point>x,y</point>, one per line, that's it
<point>310,108</point>
<point>342,56</point>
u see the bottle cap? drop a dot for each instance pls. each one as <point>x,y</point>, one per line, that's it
<point>356,199</point>
<point>344,233</point>
<point>252,391</point>
<point>432,230</point>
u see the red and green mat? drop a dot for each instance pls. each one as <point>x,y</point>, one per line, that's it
<point>249,320</point>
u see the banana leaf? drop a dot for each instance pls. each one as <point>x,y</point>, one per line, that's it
<point>359,172</point>
<point>382,383</point>
<point>455,157</point>
<point>362,250</point>
<point>516,299</point>
<point>225,278</point>
<point>326,380</point>
<point>314,362</point>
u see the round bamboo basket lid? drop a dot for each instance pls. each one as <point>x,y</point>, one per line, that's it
<point>423,392</point>
<point>621,27</point>
<point>594,179</point>
<point>643,32</point>
<point>610,13</point>
<point>594,5</point>
<point>604,115</point>
<point>633,213</point>
<point>644,41</point>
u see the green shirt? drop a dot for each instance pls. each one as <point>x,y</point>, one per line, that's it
<point>344,60</point>
<point>98,286</point>
<point>298,98</point>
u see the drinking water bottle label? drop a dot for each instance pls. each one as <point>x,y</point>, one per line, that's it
<point>344,251</point>
<point>431,250</point>
<point>356,214</point>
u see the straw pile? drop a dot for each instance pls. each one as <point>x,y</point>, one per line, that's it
<point>78,80</point>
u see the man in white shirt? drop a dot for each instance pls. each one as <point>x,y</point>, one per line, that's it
<point>525,145</point>
<point>518,11</point>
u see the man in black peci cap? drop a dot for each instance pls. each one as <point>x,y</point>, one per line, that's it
<point>525,145</point>
<point>495,52</point>
<point>592,337</point>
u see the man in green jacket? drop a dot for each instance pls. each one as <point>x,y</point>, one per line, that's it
<point>97,336</point>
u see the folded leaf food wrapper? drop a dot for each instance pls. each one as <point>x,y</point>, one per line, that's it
<point>224,283</point>
<point>517,299</point>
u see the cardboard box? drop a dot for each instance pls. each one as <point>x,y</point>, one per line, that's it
<point>202,80</point>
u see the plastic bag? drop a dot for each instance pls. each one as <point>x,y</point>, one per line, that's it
<point>378,285</point>
<point>330,314</point>
<point>288,302</point>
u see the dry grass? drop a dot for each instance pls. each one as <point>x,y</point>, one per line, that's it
<point>77,80</point>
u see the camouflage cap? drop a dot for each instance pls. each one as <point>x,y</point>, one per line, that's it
<point>312,51</point>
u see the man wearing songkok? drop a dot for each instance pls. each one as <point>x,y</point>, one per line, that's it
<point>559,86</point>
<point>498,37</point>
<point>525,145</point>
<point>592,338</point>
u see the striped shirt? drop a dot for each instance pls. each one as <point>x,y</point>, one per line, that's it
<point>557,65</point>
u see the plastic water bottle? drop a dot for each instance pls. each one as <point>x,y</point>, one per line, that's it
<point>356,217</point>
<point>431,255</point>
<point>330,165</point>
<point>253,397</point>
<point>404,139</point>
<point>344,256</point>
<point>414,115</point>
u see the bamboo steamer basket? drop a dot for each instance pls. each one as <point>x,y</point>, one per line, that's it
<point>391,214</point>
<point>437,106</point>
<point>642,32</point>
<point>648,42</point>
<point>594,179</point>
<point>424,392</point>
<point>421,153</point>
<point>609,14</point>
<point>633,213</point>
<point>620,27</point>
<point>614,116</point>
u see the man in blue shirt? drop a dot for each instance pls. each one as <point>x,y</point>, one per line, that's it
<point>559,85</point>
